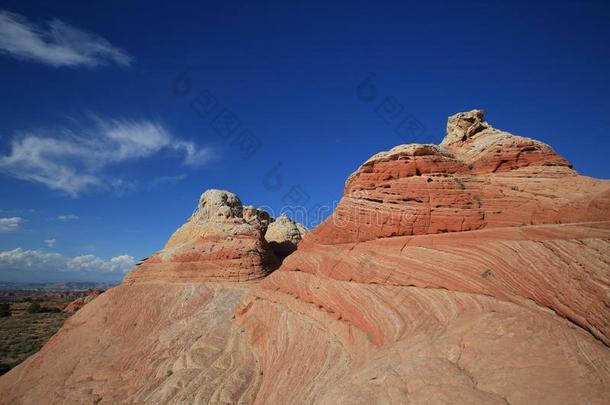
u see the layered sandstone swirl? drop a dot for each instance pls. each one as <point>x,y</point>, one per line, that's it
<point>471,272</point>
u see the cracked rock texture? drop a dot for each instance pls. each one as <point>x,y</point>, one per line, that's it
<point>476,271</point>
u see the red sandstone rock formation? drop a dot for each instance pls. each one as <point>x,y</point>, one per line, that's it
<point>476,271</point>
<point>150,342</point>
<point>478,177</point>
<point>82,301</point>
<point>472,272</point>
<point>217,243</point>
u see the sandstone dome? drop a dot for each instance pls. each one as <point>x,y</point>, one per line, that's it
<point>475,271</point>
<point>221,241</point>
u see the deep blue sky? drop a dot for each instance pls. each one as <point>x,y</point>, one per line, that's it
<point>290,74</point>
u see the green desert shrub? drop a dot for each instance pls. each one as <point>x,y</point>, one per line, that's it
<point>34,308</point>
<point>5,309</point>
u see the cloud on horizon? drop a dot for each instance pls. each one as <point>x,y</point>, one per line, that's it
<point>10,224</point>
<point>50,242</point>
<point>38,264</point>
<point>73,161</point>
<point>56,43</point>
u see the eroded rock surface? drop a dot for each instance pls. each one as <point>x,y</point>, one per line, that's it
<point>221,241</point>
<point>150,343</point>
<point>478,177</point>
<point>476,271</point>
<point>82,301</point>
<point>257,217</point>
<point>283,235</point>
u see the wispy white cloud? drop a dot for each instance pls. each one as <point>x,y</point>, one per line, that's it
<point>50,242</point>
<point>40,261</point>
<point>67,217</point>
<point>194,156</point>
<point>74,160</point>
<point>56,43</point>
<point>10,224</point>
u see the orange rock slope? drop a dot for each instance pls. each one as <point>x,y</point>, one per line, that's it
<point>82,301</point>
<point>476,271</point>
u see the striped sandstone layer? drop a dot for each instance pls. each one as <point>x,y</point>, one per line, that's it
<point>476,271</point>
<point>217,243</point>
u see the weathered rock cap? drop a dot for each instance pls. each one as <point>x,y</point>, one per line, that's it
<point>284,234</point>
<point>257,217</point>
<point>217,204</point>
<point>473,141</point>
<point>464,125</point>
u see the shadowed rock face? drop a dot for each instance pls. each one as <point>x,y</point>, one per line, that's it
<point>472,272</point>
